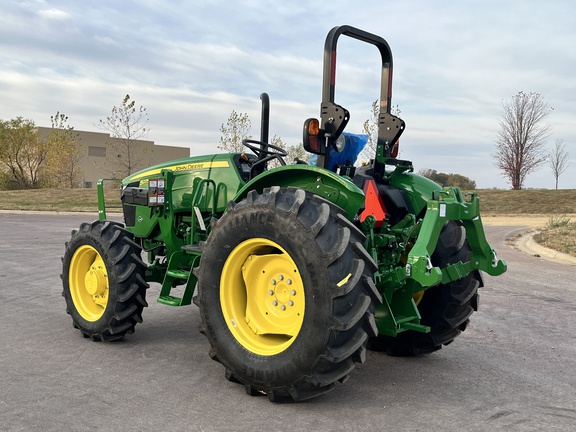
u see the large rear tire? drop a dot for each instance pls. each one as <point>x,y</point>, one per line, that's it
<point>103,279</point>
<point>286,294</point>
<point>446,309</point>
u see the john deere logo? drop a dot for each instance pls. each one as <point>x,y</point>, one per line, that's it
<point>182,167</point>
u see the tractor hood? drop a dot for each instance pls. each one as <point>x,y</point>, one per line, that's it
<point>198,163</point>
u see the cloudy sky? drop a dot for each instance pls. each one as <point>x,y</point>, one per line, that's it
<point>191,63</point>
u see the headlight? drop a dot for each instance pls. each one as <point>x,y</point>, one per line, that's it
<point>340,143</point>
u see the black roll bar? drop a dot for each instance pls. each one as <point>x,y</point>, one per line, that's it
<point>390,127</point>
<point>329,75</point>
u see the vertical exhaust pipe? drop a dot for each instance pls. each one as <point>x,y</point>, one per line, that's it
<point>265,120</point>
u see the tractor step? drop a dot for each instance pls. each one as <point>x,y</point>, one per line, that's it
<point>178,274</point>
<point>171,300</point>
<point>193,249</point>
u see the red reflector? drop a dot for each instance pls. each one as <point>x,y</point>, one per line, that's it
<point>394,152</point>
<point>313,143</point>
<point>333,68</point>
<point>374,206</point>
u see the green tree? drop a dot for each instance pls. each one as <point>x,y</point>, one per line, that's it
<point>236,129</point>
<point>520,147</point>
<point>127,124</point>
<point>22,153</point>
<point>63,159</point>
<point>558,160</point>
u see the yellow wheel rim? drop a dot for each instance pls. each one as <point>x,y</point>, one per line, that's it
<point>262,296</point>
<point>88,280</point>
<point>418,297</point>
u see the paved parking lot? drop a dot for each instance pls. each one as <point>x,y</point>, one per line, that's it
<point>513,369</point>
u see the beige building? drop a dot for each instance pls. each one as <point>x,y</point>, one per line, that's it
<point>100,154</point>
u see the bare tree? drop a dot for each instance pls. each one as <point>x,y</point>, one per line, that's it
<point>236,129</point>
<point>297,152</point>
<point>558,160</point>
<point>127,124</point>
<point>276,141</point>
<point>522,137</point>
<point>370,128</point>
<point>63,161</point>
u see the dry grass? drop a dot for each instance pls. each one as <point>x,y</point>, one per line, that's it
<point>493,202</point>
<point>544,210</point>
<point>76,200</point>
<point>551,212</point>
<point>559,234</point>
<point>527,202</point>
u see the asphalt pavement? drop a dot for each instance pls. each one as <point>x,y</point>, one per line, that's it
<point>513,369</point>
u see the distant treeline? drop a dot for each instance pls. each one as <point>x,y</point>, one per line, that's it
<point>444,179</point>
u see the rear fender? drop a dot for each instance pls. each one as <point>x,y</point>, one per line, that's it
<point>418,188</point>
<point>336,189</point>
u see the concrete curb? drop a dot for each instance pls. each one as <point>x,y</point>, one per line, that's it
<point>58,212</point>
<point>50,212</point>
<point>526,244</point>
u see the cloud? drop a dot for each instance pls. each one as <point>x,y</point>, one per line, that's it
<point>54,14</point>
<point>191,64</point>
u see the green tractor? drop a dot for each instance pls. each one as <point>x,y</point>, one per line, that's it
<point>297,269</point>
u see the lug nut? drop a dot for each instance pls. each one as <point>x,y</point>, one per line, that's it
<point>283,307</point>
<point>275,303</point>
<point>293,292</point>
<point>290,303</point>
<point>271,292</point>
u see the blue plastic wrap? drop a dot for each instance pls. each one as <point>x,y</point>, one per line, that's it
<point>355,143</point>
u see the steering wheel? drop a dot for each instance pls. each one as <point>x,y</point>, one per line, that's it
<point>263,149</point>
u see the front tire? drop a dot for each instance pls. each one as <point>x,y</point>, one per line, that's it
<point>286,294</point>
<point>103,280</point>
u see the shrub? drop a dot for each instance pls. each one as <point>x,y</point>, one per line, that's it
<point>557,221</point>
